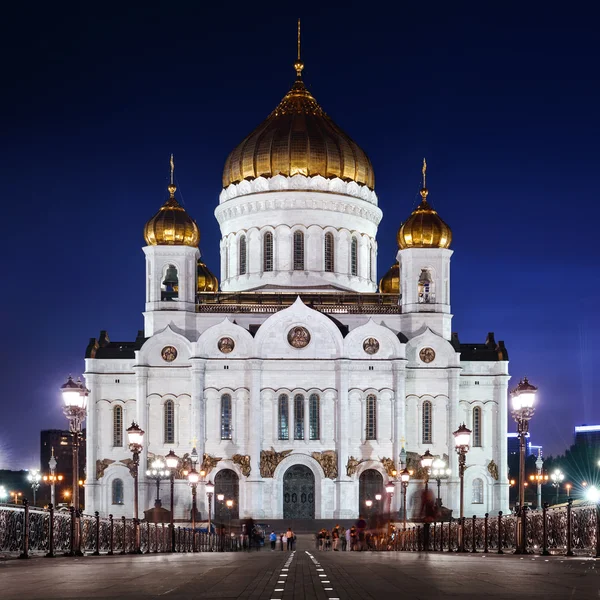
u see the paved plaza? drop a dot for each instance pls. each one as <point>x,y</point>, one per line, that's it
<point>305,573</point>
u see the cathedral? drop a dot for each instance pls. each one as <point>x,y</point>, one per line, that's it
<point>302,383</point>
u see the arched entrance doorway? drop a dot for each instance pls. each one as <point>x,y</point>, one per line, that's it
<point>298,493</point>
<point>226,483</point>
<point>370,484</point>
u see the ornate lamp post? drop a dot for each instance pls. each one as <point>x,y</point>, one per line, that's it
<point>462,441</point>
<point>193,479</point>
<point>557,478</point>
<point>158,473</point>
<point>34,479</point>
<point>210,490</point>
<point>229,504</point>
<point>52,478</point>
<point>135,436</point>
<point>404,479</point>
<point>426,462</point>
<point>172,461</point>
<point>389,490</point>
<point>440,471</point>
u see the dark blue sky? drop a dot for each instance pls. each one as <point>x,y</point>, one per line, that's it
<point>502,102</point>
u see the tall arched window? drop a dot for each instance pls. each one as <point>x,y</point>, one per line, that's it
<point>477,426</point>
<point>477,491</point>
<point>242,255</point>
<point>298,251</point>
<point>354,257</point>
<point>118,426</point>
<point>371,417</point>
<point>427,422</point>
<point>169,422</point>
<point>117,491</point>
<point>298,417</point>
<point>329,253</point>
<point>268,251</point>
<point>283,417</point>
<point>225,417</point>
<point>314,425</point>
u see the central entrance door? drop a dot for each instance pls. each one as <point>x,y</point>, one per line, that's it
<point>298,493</point>
<point>226,483</point>
<point>370,484</point>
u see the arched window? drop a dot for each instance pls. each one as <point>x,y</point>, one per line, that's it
<point>169,288</point>
<point>477,491</point>
<point>242,255</point>
<point>298,417</point>
<point>354,257</point>
<point>329,253</point>
<point>117,491</point>
<point>298,251</point>
<point>427,422</point>
<point>268,251</point>
<point>283,417</point>
<point>477,426</point>
<point>425,288</point>
<point>371,417</point>
<point>169,422</point>
<point>118,426</point>
<point>225,417</point>
<point>314,425</point>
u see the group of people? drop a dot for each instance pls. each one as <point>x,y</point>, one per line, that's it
<point>355,538</point>
<point>289,538</point>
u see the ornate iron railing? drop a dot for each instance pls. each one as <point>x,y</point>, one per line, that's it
<point>26,531</point>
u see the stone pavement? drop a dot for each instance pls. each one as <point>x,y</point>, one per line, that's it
<point>305,573</point>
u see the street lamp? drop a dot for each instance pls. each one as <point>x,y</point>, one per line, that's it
<point>229,505</point>
<point>210,490</point>
<point>462,441</point>
<point>404,479</point>
<point>426,462</point>
<point>193,479</point>
<point>34,479</point>
<point>158,473</point>
<point>75,396</point>
<point>172,461</point>
<point>389,490</point>
<point>440,471</point>
<point>557,478</point>
<point>15,497</point>
<point>135,436</point>
<point>52,478</point>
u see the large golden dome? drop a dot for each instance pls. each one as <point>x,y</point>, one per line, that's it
<point>207,282</point>
<point>171,225</point>
<point>390,282</point>
<point>298,138</point>
<point>424,228</point>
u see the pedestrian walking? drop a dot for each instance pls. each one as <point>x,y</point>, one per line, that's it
<point>273,540</point>
<point>282,535</point>
<point>289,534</point>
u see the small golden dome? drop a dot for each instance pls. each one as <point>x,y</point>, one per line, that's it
<point>298,138</point>
<point>171,225</point>
<point>390,282</point>
<point>424,228</point>
<point>207,282</point>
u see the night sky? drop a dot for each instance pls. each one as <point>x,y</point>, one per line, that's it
<point>502,102</point>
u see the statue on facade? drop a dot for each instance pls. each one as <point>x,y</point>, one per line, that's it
<point>493,469</point>
<point>209,462</point>
<point>243,460</point>
<point>413,464</point>
<point>269,459</point>
<point>352,465</point>
<point>389,466</point>
<point>102,465</point>
<point>328,461</point>
<point>184,466</point>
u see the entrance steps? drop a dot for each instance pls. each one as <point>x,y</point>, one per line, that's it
<point>304,525</point>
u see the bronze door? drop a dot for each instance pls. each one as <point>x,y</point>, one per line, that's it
<point>298,493</point>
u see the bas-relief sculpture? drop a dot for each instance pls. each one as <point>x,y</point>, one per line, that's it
<point>269,459</point>
<point>209,462</point>
<point>389,466</point>
<point>243,460</point>
<point>493,469</point>
<point>102,465</point>
<point>328,461</point>
<point>352,465</point>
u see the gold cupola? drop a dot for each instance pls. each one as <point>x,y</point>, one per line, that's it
<point>207,282</point>
<point>171,225</point>
<point>424,228</point>
<point>298,138</point>
<point>390,282</point>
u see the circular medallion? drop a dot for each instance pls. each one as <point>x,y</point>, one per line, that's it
<point>298,337</point>
<point>427,355</point>
<point>226,345</point>
<point>371,346</point>
<point>169,353</point>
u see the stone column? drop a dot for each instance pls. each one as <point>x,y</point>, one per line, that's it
<point>92,488</point>
<point>344,485</point>
<point>141,403</point>
<point>454,415</point>
<point>254,483</point>
<point>399,421</point>
<point>500,451</point>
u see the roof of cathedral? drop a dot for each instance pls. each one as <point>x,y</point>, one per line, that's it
<point>207,281</point>
<point>298,138</point>
<point>390,282</point>
<point>489,351</point>
<point>102,347</point>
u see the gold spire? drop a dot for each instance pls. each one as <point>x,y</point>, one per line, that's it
<point>172,189</point>
<point>299,65</point>
<point>424,190</point>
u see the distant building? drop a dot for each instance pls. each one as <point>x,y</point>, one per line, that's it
<point>588,435</point>
<point>512,444</point>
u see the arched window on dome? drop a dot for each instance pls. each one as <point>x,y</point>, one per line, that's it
<point>298,417</point>
<point>169,422</point>
<point>169,287</point>
<point>226,417</point>
<point>371,417</point>
<point>298,251</point>
<point>117,491</point>
<point>354,257</point>
<point>242,255</point>
<point>477,427</point>
<point>118,427</point>
<point>477,497</point>
<point>427,422</point>
<point>329,253</point>
<point>426,292</point>
<point>283,417</point>
<point>268,252</point>
<point>314,425</point>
